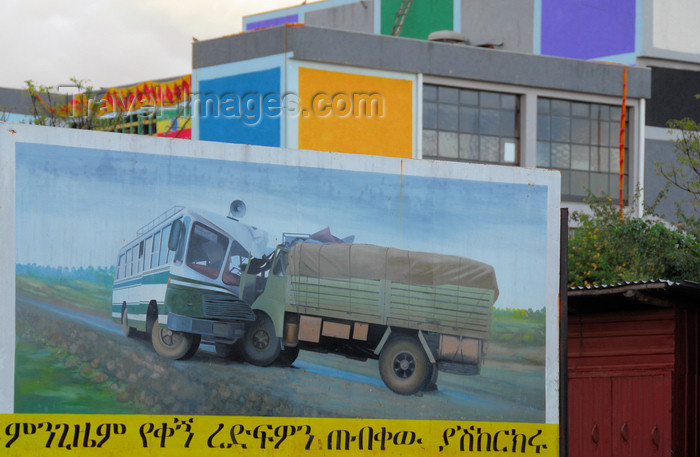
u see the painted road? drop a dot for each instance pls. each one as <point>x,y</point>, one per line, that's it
<point>335,384</point>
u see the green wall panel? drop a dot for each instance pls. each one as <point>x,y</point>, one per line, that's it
<point>423,17</point>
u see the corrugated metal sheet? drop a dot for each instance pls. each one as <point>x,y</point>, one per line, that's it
<point>655,284</point>
<point>663,282</point>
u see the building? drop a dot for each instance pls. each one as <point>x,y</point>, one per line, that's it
<point>314,88</point>
<point>650,34</point>
<point>639,34</point>
<point>15,106</point>
<point>632,32</point>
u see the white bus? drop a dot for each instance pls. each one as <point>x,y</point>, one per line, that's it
<point>179,279</point>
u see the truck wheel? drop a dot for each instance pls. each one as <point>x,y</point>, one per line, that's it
<point>260,345</point>
<point>173,345</point>
<point>126,330</point>
<point>287,356</point>
<point>404,366</point>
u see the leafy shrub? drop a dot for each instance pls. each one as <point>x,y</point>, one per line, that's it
<point>607,249</point>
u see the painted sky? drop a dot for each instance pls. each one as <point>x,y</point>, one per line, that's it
<point>77,207</point>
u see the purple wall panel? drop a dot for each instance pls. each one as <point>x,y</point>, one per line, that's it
<point>291,19</point>
<point>587,29</point>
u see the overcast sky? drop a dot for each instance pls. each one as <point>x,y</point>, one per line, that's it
<point>110,42</point>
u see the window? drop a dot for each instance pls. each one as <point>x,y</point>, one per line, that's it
<point>281,265</point>
<point>129,262</point>
<point>121,267</point>
<point>139,262</point>
<point>582,140</point>
<point>156,247</point>
<point>470,125</point>
<point>147,253</point>
<point>206,251</point>
<point>235,264</point>
<point>165,255</point>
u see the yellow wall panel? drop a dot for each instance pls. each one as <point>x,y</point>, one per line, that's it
<point>359,114</point>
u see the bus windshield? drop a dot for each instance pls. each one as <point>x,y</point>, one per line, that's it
<point>206,251</point>
<point>235,264</point>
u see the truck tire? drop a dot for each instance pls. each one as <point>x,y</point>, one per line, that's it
<point>404,366</point>
<point>260,344</point>
<point>431,385</point>
<point>173,345</point>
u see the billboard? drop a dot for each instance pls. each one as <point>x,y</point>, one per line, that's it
<point>350,303</point>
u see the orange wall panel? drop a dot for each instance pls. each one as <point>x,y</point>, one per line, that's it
<point>359,114</point>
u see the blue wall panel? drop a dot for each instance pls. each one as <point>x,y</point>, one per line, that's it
<point>241,109</point>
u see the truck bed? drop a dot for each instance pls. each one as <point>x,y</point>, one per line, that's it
<point>460,309</point>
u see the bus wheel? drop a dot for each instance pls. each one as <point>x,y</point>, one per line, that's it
<point>404,366</point>
<point>173,345</point>
<point>126,330</point>
<point>260,344</point>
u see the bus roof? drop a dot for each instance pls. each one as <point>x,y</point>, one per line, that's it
<point>251,238</point>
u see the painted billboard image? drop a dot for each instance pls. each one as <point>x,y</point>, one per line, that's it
<point>210,279</point>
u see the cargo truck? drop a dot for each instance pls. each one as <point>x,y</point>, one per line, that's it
<point>417,313</point>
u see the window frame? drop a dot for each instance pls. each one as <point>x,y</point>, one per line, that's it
<point>606,113</point>
<point>458,132</point>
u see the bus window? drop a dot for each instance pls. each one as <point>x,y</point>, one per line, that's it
<point>127,264</point>
<point>156,250</point>
<point>139,259</point>
<point>206,251</point>
<point>235,264</point>
<point>178,255</point>
<point>121,268</point>
<point>134,259</point>
<point>148,247</point>
<point>164,246</point>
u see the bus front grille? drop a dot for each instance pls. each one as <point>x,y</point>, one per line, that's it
<point>226,307</point>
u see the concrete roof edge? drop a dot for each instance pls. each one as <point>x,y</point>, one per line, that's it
<point>421,56</point>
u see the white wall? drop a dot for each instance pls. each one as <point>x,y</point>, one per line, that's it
<point>675,25</point>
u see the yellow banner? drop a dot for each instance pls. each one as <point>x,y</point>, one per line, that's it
<point>38,435</point>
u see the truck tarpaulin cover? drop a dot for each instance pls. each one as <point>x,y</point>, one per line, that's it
<point>364,261</point>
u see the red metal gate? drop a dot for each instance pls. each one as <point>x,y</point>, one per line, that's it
<point>620,384</point>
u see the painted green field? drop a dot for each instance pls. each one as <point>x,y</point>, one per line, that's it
<point>518,326</point>
<point>89,292</point>
<point>50,380</point>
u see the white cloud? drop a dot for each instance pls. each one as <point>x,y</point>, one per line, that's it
<point>110,42</point>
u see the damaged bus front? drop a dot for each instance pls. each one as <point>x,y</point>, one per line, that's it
<point>179,280</point>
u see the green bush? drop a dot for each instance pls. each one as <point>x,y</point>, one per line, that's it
<point>607,249</point>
